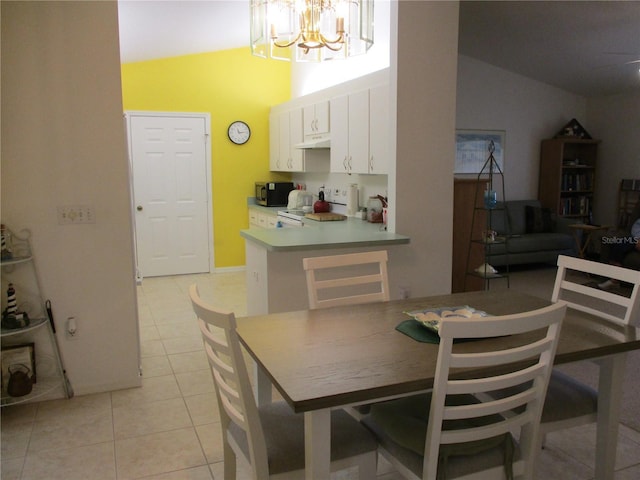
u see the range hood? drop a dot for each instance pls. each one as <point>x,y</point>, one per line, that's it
<point>315,143</point>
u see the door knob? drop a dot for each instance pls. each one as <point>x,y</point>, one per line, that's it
<point>139,208</point>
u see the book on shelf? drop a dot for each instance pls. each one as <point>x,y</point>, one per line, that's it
<point>577,182</point>
<point>630,184</point>
<point>578,206</point>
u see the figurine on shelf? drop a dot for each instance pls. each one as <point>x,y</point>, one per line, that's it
<point>12,304</point>
<point>6,251</point>
<point>11,318</point>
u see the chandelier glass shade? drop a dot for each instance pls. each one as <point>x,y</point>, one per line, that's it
<point>311,30</point>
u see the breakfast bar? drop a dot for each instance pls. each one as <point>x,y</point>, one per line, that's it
<point>275,277</point>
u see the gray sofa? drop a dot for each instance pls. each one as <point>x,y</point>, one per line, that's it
<point>540,240</point>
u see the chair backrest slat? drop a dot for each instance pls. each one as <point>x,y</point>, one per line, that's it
<point>338,286</point>
<point>579,295</point>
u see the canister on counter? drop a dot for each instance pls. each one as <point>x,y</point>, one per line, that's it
<point>374,210</point>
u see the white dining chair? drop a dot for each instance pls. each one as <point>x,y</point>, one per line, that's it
<point>347,279</point>
<point>451,433</point>
<point>269,440</point>
<point>611,306</point>
<point>569,402</point>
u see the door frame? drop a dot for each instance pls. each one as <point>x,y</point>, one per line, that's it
<point>129,115</point>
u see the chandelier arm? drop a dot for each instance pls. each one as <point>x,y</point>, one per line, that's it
<point>328,43</point>
<point>286,44</point>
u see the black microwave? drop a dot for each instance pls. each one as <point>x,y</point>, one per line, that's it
<point>273,194</point>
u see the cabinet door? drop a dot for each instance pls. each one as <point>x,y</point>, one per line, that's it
<point>316,119</point>
<point>309,119</point>
<point>359,132</point>
<point>379,129</point>
<point>322,117</point>
<point>289,132</point>
<point>274,142</point>
<point>272,221</point>
<point>296,136</point>
<point>284,159</point>
<point>253,218</point>
<point>339,153</point>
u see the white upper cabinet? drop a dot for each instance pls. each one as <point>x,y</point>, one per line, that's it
<point>274,141</point>
<point>316,119</point>
<point>357,124</point>
<point>359,132</point>
<point>379,129</point>
<point>350,133</point>
<point>285,130</point>
<point>339,154</point>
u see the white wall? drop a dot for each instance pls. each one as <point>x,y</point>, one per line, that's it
<point>307,78</point>
<point>614,120</point>
<point>424,45</point>
<point>63,143</point>
<point>491,98</point>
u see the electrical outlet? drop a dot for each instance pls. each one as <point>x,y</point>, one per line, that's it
<point>72,328</point>
<point>75,214</point>
<point>405,292</point>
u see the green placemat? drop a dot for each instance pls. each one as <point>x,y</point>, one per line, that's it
<point>415,330</point>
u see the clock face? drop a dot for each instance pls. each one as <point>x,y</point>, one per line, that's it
<point>239,132</point>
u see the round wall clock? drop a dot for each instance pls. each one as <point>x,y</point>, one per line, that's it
<point>239,132</point>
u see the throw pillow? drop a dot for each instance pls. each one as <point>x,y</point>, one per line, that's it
<point>538,220</point>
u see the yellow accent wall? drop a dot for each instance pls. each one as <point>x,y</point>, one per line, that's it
<point>229,85</point>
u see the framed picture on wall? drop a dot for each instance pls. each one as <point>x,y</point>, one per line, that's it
<point>472,149</point>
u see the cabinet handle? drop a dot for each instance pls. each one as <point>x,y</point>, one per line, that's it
<point>344,162</point>
<point>139,208</point>
<point>371,163</point>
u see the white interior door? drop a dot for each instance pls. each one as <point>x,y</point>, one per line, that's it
<point>171,193</point>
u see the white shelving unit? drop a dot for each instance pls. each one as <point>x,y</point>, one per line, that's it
<point>19,269</point>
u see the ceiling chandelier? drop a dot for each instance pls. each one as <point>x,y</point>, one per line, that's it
<point>311,30</point>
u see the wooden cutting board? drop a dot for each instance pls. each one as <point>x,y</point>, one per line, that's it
<point>325,216</point>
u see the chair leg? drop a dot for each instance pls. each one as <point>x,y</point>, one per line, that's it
<point>368,466</point>
<point>542,440</point>
<point>229,462</point>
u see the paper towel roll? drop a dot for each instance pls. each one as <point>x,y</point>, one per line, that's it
<point>352,199</point>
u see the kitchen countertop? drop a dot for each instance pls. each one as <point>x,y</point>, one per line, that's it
<point>314,235</point>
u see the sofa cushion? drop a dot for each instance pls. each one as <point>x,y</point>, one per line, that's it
<point>515,212</point>
<point>534,242</point>
<point>538,220</point>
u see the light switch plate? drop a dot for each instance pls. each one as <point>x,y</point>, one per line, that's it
<point>75,214</point>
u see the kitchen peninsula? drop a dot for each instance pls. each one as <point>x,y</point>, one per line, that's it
<point>275,278</point>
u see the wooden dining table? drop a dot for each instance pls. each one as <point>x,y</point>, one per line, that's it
<point>324,359</point>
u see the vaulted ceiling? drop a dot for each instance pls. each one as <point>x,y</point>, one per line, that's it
<point>591,48</point>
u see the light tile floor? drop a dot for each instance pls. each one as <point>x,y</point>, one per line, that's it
<point>169,429</point>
